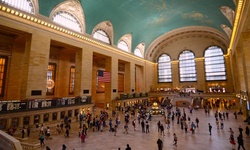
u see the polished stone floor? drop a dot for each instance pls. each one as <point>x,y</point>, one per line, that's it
<point>201,140</point>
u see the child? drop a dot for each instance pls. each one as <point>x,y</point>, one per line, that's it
<point>83,137</point>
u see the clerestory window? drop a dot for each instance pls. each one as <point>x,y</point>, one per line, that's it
<point>67,20</point>
<point>187,66</point>
<point>138,53</point>
<point>214,64</point>
<point>24,5</point>
<point>102,36</point>
<point>164,68</point>
<point>123,46</point>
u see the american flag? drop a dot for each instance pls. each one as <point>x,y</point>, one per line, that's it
<point>103,76</point>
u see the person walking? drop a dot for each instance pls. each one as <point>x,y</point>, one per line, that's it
<point>240,142</point>
<point>197,122</point>
<point>175,140</point>
<point>42,139</point>
<point>143,126</point>
<point>115,130</point>
<point>67,133</point>
<point>64,147</point>
<point>162,130</point>
<point>133,123</point>
<point>128,147</point>
<point>235,115</point>
<point>23,132</point>
<point>28,131</point>
<point>209,128</point>
<point>158,125</point>
<point>147,127</point>
<point>247,131</point>
<point>160,144</point>
<point>240,130</point>
<point>125,128</point>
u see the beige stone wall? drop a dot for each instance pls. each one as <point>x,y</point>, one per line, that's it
<point>198,45</point>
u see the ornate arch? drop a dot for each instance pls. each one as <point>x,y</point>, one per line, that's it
<point>107,27</point>
<point>73,7</point>
<point>128,39</point>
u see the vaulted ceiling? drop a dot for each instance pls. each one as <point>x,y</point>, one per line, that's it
<point>148,20</point>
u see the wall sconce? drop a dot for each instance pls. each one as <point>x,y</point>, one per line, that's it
<point>50,84</point>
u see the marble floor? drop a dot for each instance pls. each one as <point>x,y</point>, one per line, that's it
<point>201,140</point>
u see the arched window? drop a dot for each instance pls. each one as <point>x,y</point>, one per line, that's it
<point>67,20</point>
<point>187,66</point>
<point>137,52</point>
<point>215,64</point>
<point>164,68</point>
<point>102,36</point>
<point>123,46</point>
<point>24,5</point>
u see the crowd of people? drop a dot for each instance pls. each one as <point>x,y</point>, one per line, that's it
<point>140,121</point>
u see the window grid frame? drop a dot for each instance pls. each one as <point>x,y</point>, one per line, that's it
<point>72,22</point>
<point>25,5</point>
<point>164,65</point>
<point>212,65</point>
<point>53,77</point>
<point>186,73</point>
<point>3,72</point>
<point>72,80</point>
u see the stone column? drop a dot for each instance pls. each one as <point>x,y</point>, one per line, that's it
<point>8,122</point>
<point>35,68</point>
<point>58,116</point>
<point>31,121</point>
<point>201,77</point>
<point>50,117</point>
<point>246,65</point>
<point>83,76</point>
<point>41,118</point>
<point>175,74</point>
<point>114,77</point>
<point>127,78</point>
<point>20,123</point>
<point>108,86</point>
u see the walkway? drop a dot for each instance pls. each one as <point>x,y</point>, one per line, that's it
<point>201,140</point>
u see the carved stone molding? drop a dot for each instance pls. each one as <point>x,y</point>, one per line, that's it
<point>107,27</point>
<point>228,13</point>
<point>73,7</point>
<point>128,39</point>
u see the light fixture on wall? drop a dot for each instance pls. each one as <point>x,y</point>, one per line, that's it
<point>50,84</point>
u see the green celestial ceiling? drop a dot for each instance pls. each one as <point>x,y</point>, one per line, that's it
<point>148,19</point>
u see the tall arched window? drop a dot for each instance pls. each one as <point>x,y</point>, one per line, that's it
<point>215,64</point>
<point>67,20</point>
<point>137,52</point>
<point>123,46</point>
<point>164,68</point>
<point>102,36</point>
<point>187,66</point>
<point>24,5</point>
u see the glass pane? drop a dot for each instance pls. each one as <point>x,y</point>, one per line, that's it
<point>164,68</point>
<point>123,46</point>
<point>187,67</point>
<point>67,20</point>
<point>102,36</point>
<point>215,64</point>
<point>24,5</point>
<point>137,52</point>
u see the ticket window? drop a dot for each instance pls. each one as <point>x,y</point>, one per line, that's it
<point>36,119</point>
<point>54,116</point>
<point>46,117</point>
<point>70,113</point>
<point>26,120</point>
